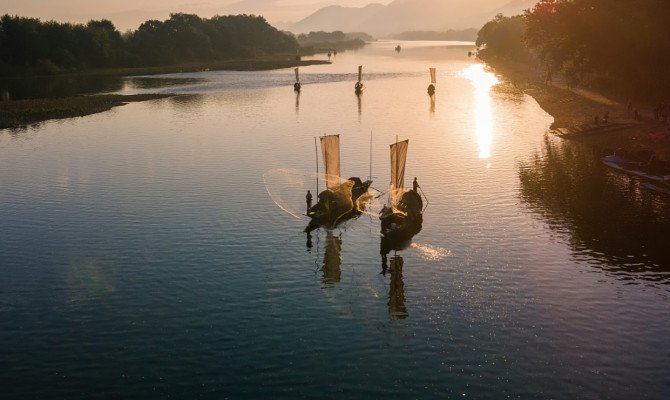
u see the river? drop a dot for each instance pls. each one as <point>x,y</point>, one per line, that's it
<point>157,250</point>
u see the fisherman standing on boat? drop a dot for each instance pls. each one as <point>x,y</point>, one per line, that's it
<point>308,198</point>
<point>415,184</point>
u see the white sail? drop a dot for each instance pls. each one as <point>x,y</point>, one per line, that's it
<point>330,149</point>
<point>360,73</point>
<point>432,76</point>
<point>297,75</point>
<point>398,159</point>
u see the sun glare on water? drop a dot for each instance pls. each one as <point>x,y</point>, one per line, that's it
<point>482,82</point>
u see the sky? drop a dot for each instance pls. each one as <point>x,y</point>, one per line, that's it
<point>129,14</point>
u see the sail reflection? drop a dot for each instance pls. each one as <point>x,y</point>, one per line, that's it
<point>396,301</point>
<point>482,82</point>
<point>332,260</point>
<point>297,103</point>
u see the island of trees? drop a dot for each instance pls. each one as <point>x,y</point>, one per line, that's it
<point>620,47</point>
<point>337,40</point>
<point>468,35</point>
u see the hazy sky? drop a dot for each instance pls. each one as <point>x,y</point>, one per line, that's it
<point>128,14</point>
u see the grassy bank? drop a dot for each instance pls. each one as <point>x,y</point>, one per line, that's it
<point>574,110</point>
<point>14,114</point>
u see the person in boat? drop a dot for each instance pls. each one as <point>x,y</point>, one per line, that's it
<point>358,87</point>
<point>308,199</point>
<point>431,89</point>
<point>296,86</point>
<point>415,184</point>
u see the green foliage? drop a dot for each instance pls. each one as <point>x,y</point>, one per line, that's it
<point>336,40</point>
<point>503,37</point>
<point>27,44</point>
<point>624,44</point>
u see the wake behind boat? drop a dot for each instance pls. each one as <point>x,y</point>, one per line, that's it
<point>342,200</point>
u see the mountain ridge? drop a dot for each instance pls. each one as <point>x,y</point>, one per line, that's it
<point>408,15</point>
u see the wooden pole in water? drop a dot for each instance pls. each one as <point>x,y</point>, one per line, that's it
<point>316,153</point>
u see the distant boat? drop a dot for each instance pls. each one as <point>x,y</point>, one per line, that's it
<point>397,48</point>
<point>297,86</point>
<point>358,87</point>
<point>402,218</point>
<point>341,200</point>
<point>433,82</point>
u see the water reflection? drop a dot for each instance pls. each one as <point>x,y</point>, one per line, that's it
<point>332,260</point>
<point>612,222</point>
<point>358,98</point>
<point>57,86</point>
<point>297,103</point>
<point>482,81</point>
<point>396,302</point>
<point>65,86</point>
<point>432,104</point>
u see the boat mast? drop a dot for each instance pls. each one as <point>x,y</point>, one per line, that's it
<point>316,154</point>
<point>396,162</point>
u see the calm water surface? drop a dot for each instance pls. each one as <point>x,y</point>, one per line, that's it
<point>157,251</point>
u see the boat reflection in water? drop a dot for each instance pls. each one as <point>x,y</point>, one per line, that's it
<point>396,301</point>
<point>332,260</point>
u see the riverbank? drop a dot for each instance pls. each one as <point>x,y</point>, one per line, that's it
<point>575,109</point>
<point>253,64</point>
<point>18,113</point>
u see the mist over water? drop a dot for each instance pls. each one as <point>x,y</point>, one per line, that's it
<point>159,249</point>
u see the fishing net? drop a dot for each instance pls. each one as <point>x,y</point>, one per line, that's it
<point>288,187</point>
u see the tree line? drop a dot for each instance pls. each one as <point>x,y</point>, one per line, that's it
<point>28,45</point>
<point>623,45</point>
<point>336,40</point>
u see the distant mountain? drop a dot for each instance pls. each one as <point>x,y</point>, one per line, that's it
<point>409,15</point>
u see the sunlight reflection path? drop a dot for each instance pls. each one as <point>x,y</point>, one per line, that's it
<point>482,81</point>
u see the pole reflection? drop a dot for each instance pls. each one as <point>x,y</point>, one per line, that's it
<point>482,82</point>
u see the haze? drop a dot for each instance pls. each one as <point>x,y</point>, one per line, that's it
<point>129,14</point>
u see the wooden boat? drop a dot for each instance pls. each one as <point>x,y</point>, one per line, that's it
<point>297,86</point>
<point>358,87</point>
<point>402,218</point>
<point>660,187</point>
<point>342,200</point>
<point>433,82</point>
<point>653,170</point>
